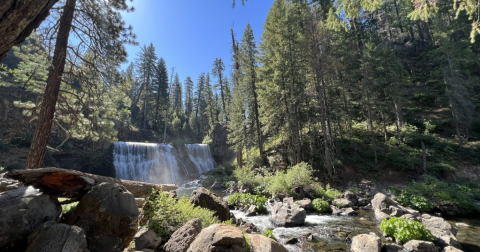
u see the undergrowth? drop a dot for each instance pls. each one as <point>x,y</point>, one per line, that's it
<point>405,230</point>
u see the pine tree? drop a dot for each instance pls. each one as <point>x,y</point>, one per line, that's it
<point>211,108</point>
<point>177,95</point>
<point>188,95</point>
<point>218,68</point>
<point>161,84</point>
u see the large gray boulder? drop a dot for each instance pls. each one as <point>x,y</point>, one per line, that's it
<point>260,243</point>
<point>204,198</point>
<point>366,243</point>
<point>219,237</point>
<point>21,212</point>
<point>181,240</point>
<point>146,239</point>
<point>305,204</point>
<point>288,214</point>
<point>382,202</point>
<point>57,237</point>
<point>343,203</point>
<point>420,246</point>
<point>109,215</point>
<point>444,233</point>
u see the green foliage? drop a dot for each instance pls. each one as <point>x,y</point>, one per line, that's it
<point>321,206</point>
<point>164,214</point>
<point>332,193</point>
<point>440,193</point>
<point>405,230</point>
<point>269,234</point>
<point>300,175</point>
<point>68,208</point>
<point>417,202</point>
<point>246,200</point>
<point>247,177</point>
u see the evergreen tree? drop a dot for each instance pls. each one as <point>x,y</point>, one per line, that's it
<point>177,95</point>
<point>161,85</point>
<point>188,95</point>
<point>218,68</point>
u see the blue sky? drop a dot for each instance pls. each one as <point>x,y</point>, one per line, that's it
<point>189,34</point>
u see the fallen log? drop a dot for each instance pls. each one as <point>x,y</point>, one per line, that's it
<point>65,183</point>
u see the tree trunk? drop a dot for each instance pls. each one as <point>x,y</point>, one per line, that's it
<point>66,183</point>
<point>47,110</point>
<point>19,19</point>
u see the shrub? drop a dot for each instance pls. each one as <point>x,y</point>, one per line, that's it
<point>405,230</point>
<point>164,214</point>
<point>246,177</point>
<point>269,234</point>
<point>420,203</point>
<point>300,175</point>
<point>247,200</point>
<point>320,206</point>
<point>332,193</point>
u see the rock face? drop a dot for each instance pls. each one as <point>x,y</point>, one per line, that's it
<point>219,237</point>
<point>288,214</point>
<point>366,243</point>
<point>21,212</point>
<point>109,214</point>
<point>204,198</point>
<point>260,243</point>
<point>57,237</point>
<point>182,238</point>
<point>420,246</point>
<point>146,239</point>
<point>305,204</point>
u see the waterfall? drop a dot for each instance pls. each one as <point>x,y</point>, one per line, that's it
<point>160,163</point>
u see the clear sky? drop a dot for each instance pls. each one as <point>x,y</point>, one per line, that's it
<point>190,34</point>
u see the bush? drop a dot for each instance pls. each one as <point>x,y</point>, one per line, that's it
<point>417,202</point>
<point>332,193</point>
<point>247,200</point>
<point>405,230</point>
<point>320,206</point>
<point>269,234</point>
<point>164,214</point>
<point>246,177</point>
<point>300,175</point>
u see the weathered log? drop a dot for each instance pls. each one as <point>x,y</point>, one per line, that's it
<point>19,18</point>
<point>65,183</point>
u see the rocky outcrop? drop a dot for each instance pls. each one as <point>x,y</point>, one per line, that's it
<point>146,239</point>
<point>343,203</point>
<point>109,214</point>
<point>181,239</point>
<point>420,246</point>
<point>288,214</point>
<point>219,237</point>
<point>260,243</point>
<point>366,243</point>
<point>21,212</point>
<point>57,237</point>
<point>382,202</point>
<point>204,198</point>
<point>305,204</point>
<point>352,197</point>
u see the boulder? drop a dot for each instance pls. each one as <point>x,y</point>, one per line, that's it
<point>204,198</point>
<point>183,237</point>
<point>291,241</point>
<point>249,227</point>
<point>146,239</point>
<point>260,243</point>
<point>396,211</point>
<point>57,237</point>
<point>21,212</point>
<point>366,243</point>
<point>288,200</point>
<point>140,202</point>
<point>350,196</point>
<point>447,241</point>
<point>451,249</point>
<point>420,246</point>
<point>362,202</point>
<point>382,202</point>
<point>252,211</point>
<point>380,216</point>
<point>109,215</point>
<point>288,214</point>
<point>438,226</point>
<point>219,237</point>
<point>218,185</point>
<point>342,211</point>
<point>392,248</point>
<point>305,204</point>
<point>343,203</point>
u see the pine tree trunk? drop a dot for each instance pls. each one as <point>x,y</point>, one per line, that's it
<point>47,110</point>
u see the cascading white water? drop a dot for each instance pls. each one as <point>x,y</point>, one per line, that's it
<point>160,163</point>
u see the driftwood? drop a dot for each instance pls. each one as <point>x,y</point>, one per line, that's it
<point>65,183</point>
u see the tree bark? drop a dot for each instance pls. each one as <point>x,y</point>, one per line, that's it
<point>18,19</point>
<point>65,183</point>
<point>47,110</point>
